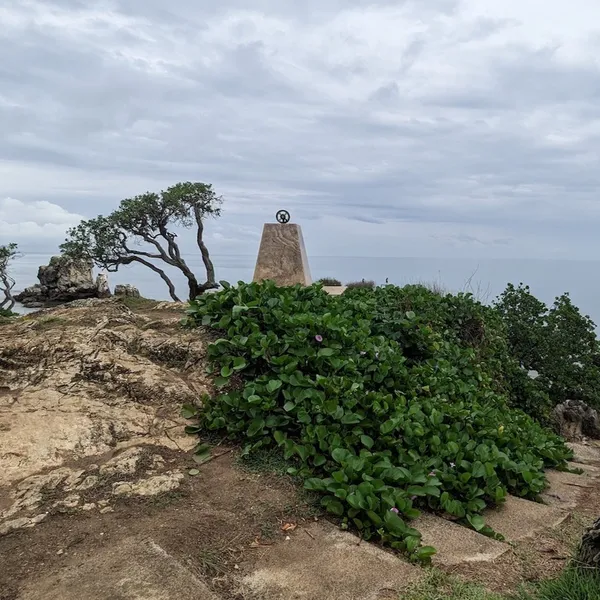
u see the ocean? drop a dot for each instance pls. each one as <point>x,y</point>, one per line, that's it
<point>484,278</point>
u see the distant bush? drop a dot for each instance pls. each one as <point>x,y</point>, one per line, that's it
<point>329,281</point>
<point>558,342</point>
<point>4,313</point>
<point>361,284</point>
<point>387,401</point>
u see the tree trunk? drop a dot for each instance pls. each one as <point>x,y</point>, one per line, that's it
<point>7,285</point>
<point>154,268</point>
<point>588,555</point>
<point>179,262</point>
<point>208,265</point>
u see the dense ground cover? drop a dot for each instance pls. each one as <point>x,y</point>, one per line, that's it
<point>387,401</point>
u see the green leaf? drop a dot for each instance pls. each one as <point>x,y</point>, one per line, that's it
<point>367,441</point>
<point>476,521</point>
<point>424,553</point>
<point>288,406</point>
<point>351,419</point>
<point>239,363</point>
<point>388,426</point>
<point>226,372</point>
<point>221,382</point>
<point>193,472</point>
<point>335,507</point>
<point>340,455</point>
<point>256,426</point>
<point>319,460</point>
<point>279,437</point>
<point>314,484</point>
<point>188,411</point>
<point>238,309</point>
<point>394,524</point>
<point>274,385</point>
<point>326,352</point>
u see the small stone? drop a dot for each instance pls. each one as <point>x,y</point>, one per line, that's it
<point>69,502</point>
<point>88,507</point>
<point>88,482</point>
<point>104,511</point>
<point>60,552</point>
<point>103,503</point>
<point>122,464</point>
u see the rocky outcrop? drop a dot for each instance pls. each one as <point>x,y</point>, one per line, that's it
<point>102,286</point>
<point>576,420</point>
<point>64,279</point>
<point>127,290</point>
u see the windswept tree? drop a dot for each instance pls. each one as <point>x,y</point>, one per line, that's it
<point>141,231</point>
<point>7,283</point>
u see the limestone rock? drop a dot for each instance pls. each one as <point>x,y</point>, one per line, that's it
<point>127,290</point>
<point>153,486</point>
<point>64,279</point>
<point>576,420</point>
<point>102,286</point>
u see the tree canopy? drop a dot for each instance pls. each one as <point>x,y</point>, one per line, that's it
<point>141,230</point>
<point>7,283</point>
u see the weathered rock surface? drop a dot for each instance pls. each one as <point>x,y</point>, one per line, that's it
<point>102,286</point>
<point>127,290</point>
<point>576,420</point>
<point>62,280</point>
<point>80,382</point>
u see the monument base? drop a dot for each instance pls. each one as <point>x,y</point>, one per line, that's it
<point>282,255</point>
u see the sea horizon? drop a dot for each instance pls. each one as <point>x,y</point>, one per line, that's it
<point>484,278</point>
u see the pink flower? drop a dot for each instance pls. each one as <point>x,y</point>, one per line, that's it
<point>394,510</point>
<point>319,338</point>
<point>413,497</point>
<point>432,474</point>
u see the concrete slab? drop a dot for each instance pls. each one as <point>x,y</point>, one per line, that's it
<point>335,290</point>
<point>323,563</point>
<point>456,544</point>
<point>134,569</point>
<point>566,489</point>
<point>591,470</point>
<point>282,255</point>
<point>586,453</point>
<point>518,519</point>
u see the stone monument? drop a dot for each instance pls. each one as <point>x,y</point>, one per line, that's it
<point>282,255</point>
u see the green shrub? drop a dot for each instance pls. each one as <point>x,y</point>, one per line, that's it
<point>330,281</point>
<point>386,410</point>
<point>558,342</point>
<point>361,284</point>
<point>4,313</point>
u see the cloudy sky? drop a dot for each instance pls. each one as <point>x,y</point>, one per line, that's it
<point>386,127</point>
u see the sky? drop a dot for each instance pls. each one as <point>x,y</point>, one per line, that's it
<point>453,128</point>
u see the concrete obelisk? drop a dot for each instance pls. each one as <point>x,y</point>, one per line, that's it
<point>282,255</point>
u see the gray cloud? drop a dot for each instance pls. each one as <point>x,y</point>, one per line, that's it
<point>474,126</point>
